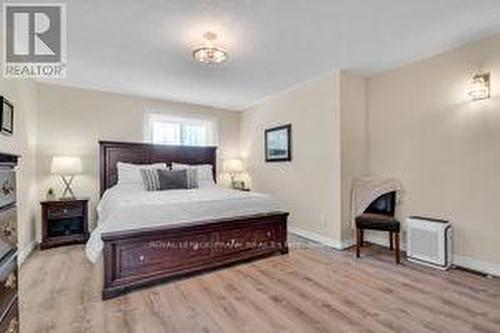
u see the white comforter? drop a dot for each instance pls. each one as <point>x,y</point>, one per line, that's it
<point>126,207</point>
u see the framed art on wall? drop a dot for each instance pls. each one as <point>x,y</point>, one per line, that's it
<point>278,143</point>
<point>6,116</point>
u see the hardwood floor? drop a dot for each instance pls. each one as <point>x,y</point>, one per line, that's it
<point>310,290</point>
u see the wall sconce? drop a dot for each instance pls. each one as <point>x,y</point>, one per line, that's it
<point>479,87</point>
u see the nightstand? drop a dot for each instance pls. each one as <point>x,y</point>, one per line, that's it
<point>64,222</point>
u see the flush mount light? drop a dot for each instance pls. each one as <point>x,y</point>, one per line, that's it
<point>479,87</point>
<point>209,53</point>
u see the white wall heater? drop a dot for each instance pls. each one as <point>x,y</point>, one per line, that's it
<point>429,241</point>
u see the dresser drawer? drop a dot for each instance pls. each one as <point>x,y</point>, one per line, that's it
<point>8,284</point>
<point>64,211</point>
<point>10,322</point>
<point>8,228</point>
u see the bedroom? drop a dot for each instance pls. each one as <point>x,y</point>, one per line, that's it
<point>384,89</point>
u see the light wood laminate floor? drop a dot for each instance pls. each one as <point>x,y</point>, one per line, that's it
<point>309,290</point>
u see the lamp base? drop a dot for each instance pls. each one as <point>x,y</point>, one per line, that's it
<point>233,180</point>
<point>68,192</point>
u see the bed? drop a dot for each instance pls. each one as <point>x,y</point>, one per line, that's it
<point>150,237</point>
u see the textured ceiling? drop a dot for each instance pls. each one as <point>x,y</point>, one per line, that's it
<point>144,47</point>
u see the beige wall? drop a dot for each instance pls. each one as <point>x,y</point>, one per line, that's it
<point>415,123</point>
<point>72,120</point>
<point>445,149</point>
<point>354,141</point>
<point>23,95</point>
<point>309,186</point>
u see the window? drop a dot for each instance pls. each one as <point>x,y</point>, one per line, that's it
<point>172,130</point>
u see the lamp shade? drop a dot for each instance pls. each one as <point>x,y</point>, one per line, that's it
<point>233,165</point>
<point>66,165</point>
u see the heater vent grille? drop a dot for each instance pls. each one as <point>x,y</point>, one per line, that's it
<point>429,241</point>
<point>425,244</point>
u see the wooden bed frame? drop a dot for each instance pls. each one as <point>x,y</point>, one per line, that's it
<point>136,258</point>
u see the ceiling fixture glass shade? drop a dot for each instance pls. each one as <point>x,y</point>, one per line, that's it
<point>209,54</point>
<point>479,87</point>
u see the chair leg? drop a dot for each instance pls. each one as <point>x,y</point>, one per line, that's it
<point>359,234</point>
<point>391,242</point>
<point>397,247</point>
<point>362,238</point>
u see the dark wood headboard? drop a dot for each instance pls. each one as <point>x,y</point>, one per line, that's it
<point>111,152</point>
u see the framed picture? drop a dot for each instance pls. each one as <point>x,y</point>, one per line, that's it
<point>278,141</point>
<point>6,116</point>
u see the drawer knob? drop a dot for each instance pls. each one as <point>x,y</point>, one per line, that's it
<point>65,210</point>
<point>13,326</point>
<point>11,281</point>
<point>142,258</point>
<point>268,234</point>
<point>7,230</point>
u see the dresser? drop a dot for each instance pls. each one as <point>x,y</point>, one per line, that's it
<point>9,313</point>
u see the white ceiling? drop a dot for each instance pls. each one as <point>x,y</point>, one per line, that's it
<point>144,47</point>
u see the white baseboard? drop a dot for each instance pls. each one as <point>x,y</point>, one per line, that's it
<point>477,265</point>
<point>327,241</point>
<point>461,261</point>
<point>25,252</point>
<point>379,239</point>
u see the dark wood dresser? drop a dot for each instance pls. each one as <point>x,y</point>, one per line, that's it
<point>9,312</point>
<point>64,222</point>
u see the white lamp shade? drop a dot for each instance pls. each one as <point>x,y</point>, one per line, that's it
<point>65,165</point>
<point>233,165</point>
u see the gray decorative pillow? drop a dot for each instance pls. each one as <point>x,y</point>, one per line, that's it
<point>150,179</point>
<point>172,179</point>
<point>192,178</point>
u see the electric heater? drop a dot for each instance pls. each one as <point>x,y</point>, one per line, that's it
<point>429,241</point>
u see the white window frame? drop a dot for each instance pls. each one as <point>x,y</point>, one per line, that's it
<point>209,122</point>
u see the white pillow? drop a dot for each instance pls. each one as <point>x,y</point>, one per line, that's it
<point>204,173</point>
<point>130,173</point>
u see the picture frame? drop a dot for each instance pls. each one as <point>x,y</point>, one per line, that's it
<point>278,144</point>
<point>6,116</point>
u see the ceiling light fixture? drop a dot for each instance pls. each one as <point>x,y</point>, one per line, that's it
<point>479,87</point>
<point>209,53</point>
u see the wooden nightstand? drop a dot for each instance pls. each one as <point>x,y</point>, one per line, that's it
<point>64,222</point>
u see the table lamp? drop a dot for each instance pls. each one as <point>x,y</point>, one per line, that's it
<point>233,167</point>
<point>66,167</point>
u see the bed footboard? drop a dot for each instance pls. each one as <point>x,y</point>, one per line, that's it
<point>144,257</point>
